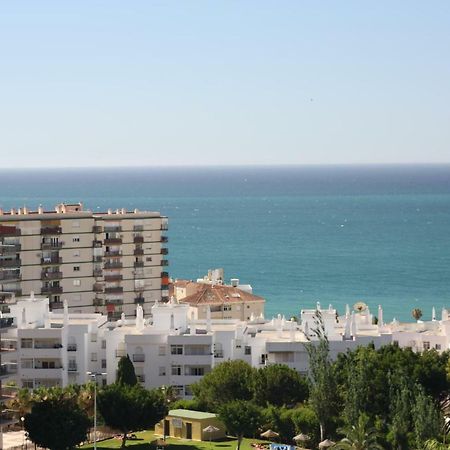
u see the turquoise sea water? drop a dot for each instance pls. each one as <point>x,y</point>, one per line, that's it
<point>298,235</point>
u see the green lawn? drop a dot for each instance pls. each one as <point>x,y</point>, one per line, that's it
<point>146,441</point>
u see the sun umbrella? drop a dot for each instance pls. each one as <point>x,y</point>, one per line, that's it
<point>269,434</point>
<point>301,437</point>
<point>326,443</point>
<point>210,429</point>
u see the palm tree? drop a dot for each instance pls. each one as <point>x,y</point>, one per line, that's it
<point>433,444</point>
<point>359,436</point>
<point>417,313</point>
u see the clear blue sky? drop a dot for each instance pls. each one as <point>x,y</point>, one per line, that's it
<point>224,82</point>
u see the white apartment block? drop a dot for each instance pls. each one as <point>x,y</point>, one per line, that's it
<point>98,262</point>
<point>174,348</point>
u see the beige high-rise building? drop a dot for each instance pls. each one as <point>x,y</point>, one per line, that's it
<point>98,262</point>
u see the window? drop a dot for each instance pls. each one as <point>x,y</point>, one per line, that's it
<point>227,307</point>
<point>176,349</point>
<point>76,239</point>
<point>426,345</point>
<point>162,351</point>
<point>103,363</point>
<point>76,253</point>
<point>438,346</point>
<point>28,384</point>
<point>176,370</point>
<point>76,268</point>
<point>26,364</point>
<point>248,350</point>
<point>93,356</point>
<point>238,343</point>
<point>196,371</point>
<point>248,306</point>
<point>103,343</point>
<point>93,337</point>
<point>26,343</point>
<point>77,282</point>
<point>162,371</point>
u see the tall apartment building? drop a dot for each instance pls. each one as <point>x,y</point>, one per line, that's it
<point>98,262</point>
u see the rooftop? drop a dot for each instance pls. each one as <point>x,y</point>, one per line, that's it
<point>188,414</point>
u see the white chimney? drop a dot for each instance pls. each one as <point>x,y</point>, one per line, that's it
<point>40,209</point>
<point>234,282</point>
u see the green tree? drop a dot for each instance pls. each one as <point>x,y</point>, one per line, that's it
<point>359,437</point>
<point>125,372</point>
<point>268,381</point>
<point>279,419</point>
<point>322,394</point>
<point>305,421</point>
<point>427,420</point>
<point>130,408</point>
<point>228,381</point>
<point>241,418</point>
<point>57,424</point>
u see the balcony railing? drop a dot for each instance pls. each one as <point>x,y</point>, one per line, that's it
<point>139,264</point>
<point>98,287</point>
<point>10,276</point>
<point>9,231</point>
<point>164,298</point>
<point>41,345</point>
<point>56,304</point>
<point>96,229</point>
<point>112,254</point>
<point>113,241</point>
<point>55,367</point>
<point>113,277</point>
<point>71,347</point>
<point>140,378</point>
<point>164,274</point>
<point>113,265</point>
<point>112,228</point>
<point>6,322</point>
<point>98,258</point>
<point>164,226</point>
<point>6,370</point>
<point>113,290</point>
<point>164,239</point>
<point>51,275</point>
<point>51,261</point>
<point>138,357</point>
<point>98,272</point>
<point>72,368</point>
<point>164,251</point>
<point>97,301</point>
<point>51,230</point>
<point>164,262</point>
<point>51,245</point>
<point>138,227</point>
<point>6,249</point>
<point>51,290</point>
<point>138,251</point>
<point>97,244</point>
<point>138,239</point>
<point>115,315</point>
<point>114,301</point>
<point>10,262</point>
<point>139,300</point>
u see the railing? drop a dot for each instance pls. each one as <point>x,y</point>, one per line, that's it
<point>164,239</point>
<point>7,348</point>
<point>10,262</point>
<point>113,265</point>
<point>97,301</point>
<point>51,290</point>
<point>140,378</point>
<point>97,244</point>
<point>8,370</point>
<point>51,230</point>
<point>6,322</point>
<point>115,277</point>
<point>9,231</point>
<point>164,262</point>
<point>114,301</point>
<point>164,274</point>
<point>164,298</point>
<point>54,260</point>
<point>98,258</point>
<point>51,245</point>
<point>51,275</point>
<point>138,251</point>
<point>98,272</point>
<point>10,276</point>
<point>112,229</point>
<point>164,251</point>
<point>7,249</point>
<point>72,368</point>
<point>47,345</point>
<point>113,290</point>
<point>138,357</point>
<point>98,287</point>
<point>56,304</point>
<point>112,254</point>
<point>96,229</point>
<point>164,226</point>
<point>138,239</point>
<point>47,368</point>
<point>139,264</point>
<point>16,291</point>
<point>114,315</point>
<point>218,354</point>
<point>71,347</point>
<point>138,228</point>
<point>139,300</point>
<point>164,287</point>
<point>112,241</point>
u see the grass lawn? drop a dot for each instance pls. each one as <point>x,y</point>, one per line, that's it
<point>146,441</point>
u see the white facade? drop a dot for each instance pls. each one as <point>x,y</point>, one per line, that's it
<point>175,349</point>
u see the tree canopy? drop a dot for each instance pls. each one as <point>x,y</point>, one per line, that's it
<point>125,372</point>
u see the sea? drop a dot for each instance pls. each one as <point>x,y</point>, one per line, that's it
<point>298,234</point>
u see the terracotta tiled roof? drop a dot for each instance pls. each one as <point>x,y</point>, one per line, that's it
<point>218,294</point>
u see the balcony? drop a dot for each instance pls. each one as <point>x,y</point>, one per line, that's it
<point>113,277</point>
<point>164,298</point>
<point>138,357</point>
<point>97,301</point>
<point>98,287</point>
<point>164,226</point>
<point>46,290</point>
<point>138,251</point>
<point>10,276</point>
<point>47,344</point>
<point>98,272</point>
<point>71,347</point>
<point>56,304</point>
<point>140,378</point>
<point>114,301</point>
<point>51,261</point>
<point>113,241</point>
<point>6,249</point>
<point>114,290</point>
<point>139,264</point>
<point>51,230</point>
<point>164,251</point>
<point>97,244</point>
<point>72,368</point>
<point>138,239</point>
<point>9,231</point>
<point>164,287</point>
<point>8,346</point>
<point>10,262</point>
<point>15,290</point>
<point>164,239</point>
<point>6,322</point>
<point>51,245</point>
<point>164,274</point>
<point>164,262</point>
<point>51,275</point>
<point>113,265</point>
<point>115,315</point>
<point>139,288</point>
<point>112,254</point>
<point>7,370</point>
<point>112,228</point>
<point>8,417</point>
<point>98,258</point>
<point>97,229</point>
<point>138,227</point>
<point>139,300</point>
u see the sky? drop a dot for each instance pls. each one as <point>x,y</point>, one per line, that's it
<point>191,82</point>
